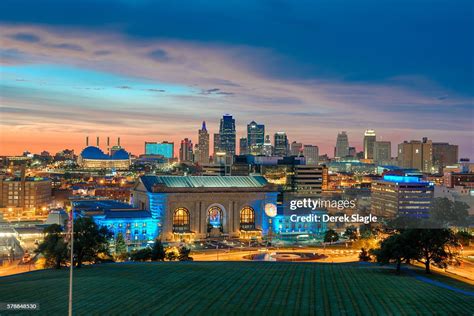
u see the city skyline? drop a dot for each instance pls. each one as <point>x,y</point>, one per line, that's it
<point>107,142</point>
<point>145,77</point>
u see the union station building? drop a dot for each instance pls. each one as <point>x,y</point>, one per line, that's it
<point>198,207</point>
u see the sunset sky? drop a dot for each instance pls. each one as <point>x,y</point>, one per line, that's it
<point>154,70</point>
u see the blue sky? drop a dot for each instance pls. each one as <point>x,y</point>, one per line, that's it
<point>310,68</point>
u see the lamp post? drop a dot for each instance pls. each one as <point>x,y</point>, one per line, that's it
<point>71,223</point>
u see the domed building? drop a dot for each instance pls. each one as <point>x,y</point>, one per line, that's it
<point>94,158</point>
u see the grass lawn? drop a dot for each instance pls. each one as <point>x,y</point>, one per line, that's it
<point>221,288</point>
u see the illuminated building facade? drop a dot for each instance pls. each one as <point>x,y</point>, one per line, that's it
<point>401,195</point>
<point>285,227</point>
<point>227,141</point>
<point>197,207</point>
<point>267,147</point>
<point>25,197</point>
<point>307,180</point>
<point>255,138</point>
<point>416,154</point>
<point>137,226</point>
<point>93,158</point>
<point>280,144</point>
<point>165,149</point>
<point>202,152</point>
<point>369,141</point>
<point>186,153</point>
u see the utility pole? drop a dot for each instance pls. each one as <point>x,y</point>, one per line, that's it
<point>71,222</point>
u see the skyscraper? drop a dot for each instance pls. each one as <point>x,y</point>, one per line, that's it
<point>243,149</point>
<point>255,138</point>
<point>444,154</point>
<point>227,135</point>
<point>203,145</point>
<point>382,151</point>
<point>267,146</point>
<point>416,154</point>
<point>296,148</point>
<point>186,151</point>
<point>217,143</point>
<point>280,144</point>
<point>369,140</point>
<point>311,154</point>
<point>342,145</point>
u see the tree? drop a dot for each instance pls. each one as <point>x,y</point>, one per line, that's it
<point>432,246</point>
<point>464,238</point>
<point>366,232</point>
<point>396,248</point>
<point>364,255</point>
<point>141,255</point>
<point>184,254</point>
<point>53,247</point>
<point>158,253</point>
<point>171,254</point>
<point>89,240</point>
<point>120,246</point>
<point>331,236</point>
<point>447,213</point>
<point>351,233</point>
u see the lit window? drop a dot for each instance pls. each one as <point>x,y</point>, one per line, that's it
<point>181,219</point>
<point>247,215</point>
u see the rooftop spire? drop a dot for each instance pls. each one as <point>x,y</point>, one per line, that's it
<point>204,126</point>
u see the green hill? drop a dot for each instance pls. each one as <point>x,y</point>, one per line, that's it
<point>237,287</point>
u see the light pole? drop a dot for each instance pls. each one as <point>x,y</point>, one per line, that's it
<point>71,222</point>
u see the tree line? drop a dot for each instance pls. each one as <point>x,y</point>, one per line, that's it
<point>92,245</point>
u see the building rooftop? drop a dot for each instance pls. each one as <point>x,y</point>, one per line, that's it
<point>404,179</point>
<point>92,152</point>
<point>204,181</point>
<point>116,214</point>
<point>96,204</point>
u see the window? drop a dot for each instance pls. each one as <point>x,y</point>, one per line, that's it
<point>247,215</point>
<point>181,220</point>
<point>247,218</point>
<point>214,216</point>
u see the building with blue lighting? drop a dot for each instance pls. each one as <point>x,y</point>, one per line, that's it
<point>164,149</point>
<point>93,158</point>
<point>137,227</point>
<point>198,207</point>
<point>402,194</point>
<point>286,226</point>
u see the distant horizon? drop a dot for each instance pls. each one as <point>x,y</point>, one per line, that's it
<point>150,71</point>
<point>80,145</point>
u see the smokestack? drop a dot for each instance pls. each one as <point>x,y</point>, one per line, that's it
<point>118,141</point>
<point>87,141</point>
<point>108,141</point>
<point>97,141</point>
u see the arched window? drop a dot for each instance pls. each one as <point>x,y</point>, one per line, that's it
<point>181,220</point>
<point>214,216</point>
<point>247,218</point>
<point>247,215</point>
